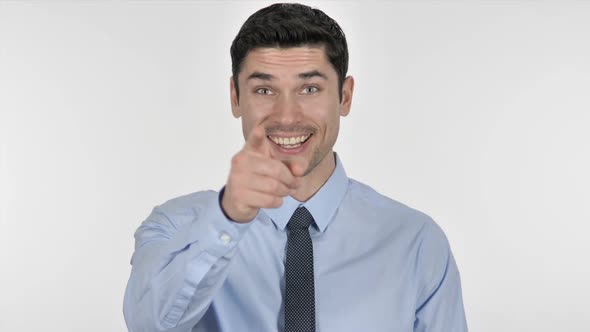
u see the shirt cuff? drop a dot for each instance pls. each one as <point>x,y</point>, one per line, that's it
<point>215,232</point>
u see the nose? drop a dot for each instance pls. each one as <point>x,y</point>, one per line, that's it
<point>287,110</point>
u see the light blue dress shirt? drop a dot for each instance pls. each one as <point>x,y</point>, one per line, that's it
<point>379,266</point>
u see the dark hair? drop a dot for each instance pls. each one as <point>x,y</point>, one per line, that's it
<point>290,25</point>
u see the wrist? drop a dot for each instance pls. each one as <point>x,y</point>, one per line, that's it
<point>227,214</point>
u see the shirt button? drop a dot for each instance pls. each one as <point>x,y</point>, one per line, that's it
<point>225,238</point>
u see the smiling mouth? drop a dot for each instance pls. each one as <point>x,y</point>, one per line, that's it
<point>290,142</point>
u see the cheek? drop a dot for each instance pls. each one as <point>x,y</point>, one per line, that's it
<point>254,111</point>
<point>327,113</point>
<point>258,107</point>
<point>258,102</point>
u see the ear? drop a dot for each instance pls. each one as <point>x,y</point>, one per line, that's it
<point>347,90</point>
<point>235,104</point>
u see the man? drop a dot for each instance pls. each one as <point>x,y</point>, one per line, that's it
<point>291,243</point>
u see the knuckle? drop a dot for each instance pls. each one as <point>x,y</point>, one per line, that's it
<point>275,186</point>
<point>237,159</point>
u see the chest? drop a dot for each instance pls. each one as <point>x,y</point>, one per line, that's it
<point>361,283</point>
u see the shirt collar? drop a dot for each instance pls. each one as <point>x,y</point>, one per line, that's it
<point>322,205</point>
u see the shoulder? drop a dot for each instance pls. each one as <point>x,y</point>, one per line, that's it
<point>397,220</point>
<point>384,209</point>
<point>427,243</point>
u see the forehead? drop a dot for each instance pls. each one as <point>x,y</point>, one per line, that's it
<point>292,59</point>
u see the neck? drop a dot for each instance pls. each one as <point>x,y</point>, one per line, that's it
<point>312,182</point>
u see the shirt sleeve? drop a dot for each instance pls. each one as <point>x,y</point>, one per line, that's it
<point>182,252</point>
<point>440,303</point>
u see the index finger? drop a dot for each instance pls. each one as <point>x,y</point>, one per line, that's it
<point>256,141</point>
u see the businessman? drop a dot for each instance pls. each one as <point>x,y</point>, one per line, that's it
<point>291,243</point>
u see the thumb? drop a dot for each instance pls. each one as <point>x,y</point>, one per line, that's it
<point>298,166</point>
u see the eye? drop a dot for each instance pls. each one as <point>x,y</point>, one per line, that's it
<point>310,89</point>
<point>263,91</point>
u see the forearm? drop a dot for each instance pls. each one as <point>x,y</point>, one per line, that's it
<point>179,263</point>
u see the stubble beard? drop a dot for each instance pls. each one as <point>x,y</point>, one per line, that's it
<point>316,159</point>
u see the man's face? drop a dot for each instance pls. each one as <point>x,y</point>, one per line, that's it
<point>293,94</point>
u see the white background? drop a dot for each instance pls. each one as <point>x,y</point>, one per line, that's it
<point>475,113</point>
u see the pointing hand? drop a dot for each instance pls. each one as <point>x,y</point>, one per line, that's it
<point>259,179</point>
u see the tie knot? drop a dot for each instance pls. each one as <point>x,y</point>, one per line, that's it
<point>301,219</point>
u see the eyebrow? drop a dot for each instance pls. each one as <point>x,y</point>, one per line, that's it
<point>312,74</point>
<point>260,76</point>
<point>268,77</point>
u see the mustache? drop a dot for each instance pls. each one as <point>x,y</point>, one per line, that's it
<point>290,129</point>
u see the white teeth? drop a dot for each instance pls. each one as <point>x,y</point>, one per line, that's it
<point>289,142</point>
<point>291,146</point>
